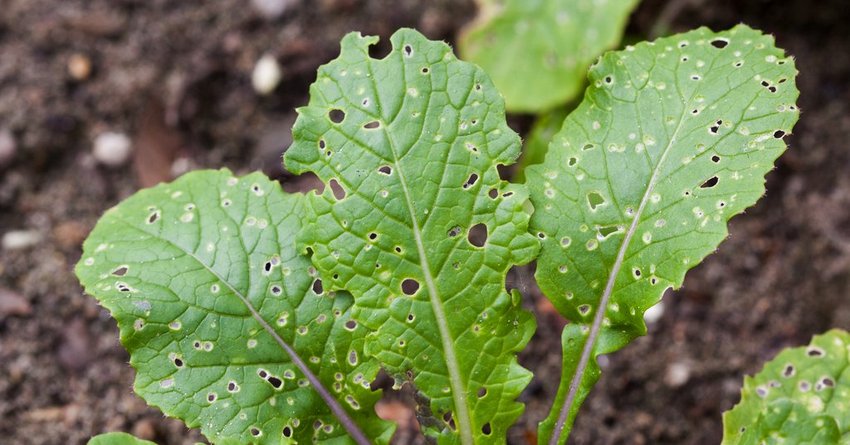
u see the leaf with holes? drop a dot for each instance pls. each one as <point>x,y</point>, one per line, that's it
<point>672,139</point>
<point>802,396</point>
<point>117,439</point>
<point>225,324</point>
<point>418,226</point>
<point>538,51</point>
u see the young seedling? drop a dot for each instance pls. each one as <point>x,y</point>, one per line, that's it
<point>231,328</point>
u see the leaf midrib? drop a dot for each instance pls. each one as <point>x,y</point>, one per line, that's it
<point>345,420</point>
<point>455,380</point>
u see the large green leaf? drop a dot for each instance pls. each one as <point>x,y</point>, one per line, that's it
<point>117,439</point>
<point>410,146</point>
<point>538,51</point>
<point>672,139</point>
<point>222,318</point>
<point>800,397</point>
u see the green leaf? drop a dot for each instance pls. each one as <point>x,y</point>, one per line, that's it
<point>410,146</point>
<point>800,397</point>
<point>537,51</point>
<point>672,139</point>
<point>117,439</point>
<point>220,316</point>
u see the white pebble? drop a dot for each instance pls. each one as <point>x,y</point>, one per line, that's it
<point>678,373</point>
<point>270,9</point>
<point>267,74</point>
<point>20,239</point>
<point>654,313</point>
<point>112,149</point>
<point>8,147</point>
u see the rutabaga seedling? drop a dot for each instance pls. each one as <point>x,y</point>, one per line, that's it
<point>538,51</point>
<point>233,330</point>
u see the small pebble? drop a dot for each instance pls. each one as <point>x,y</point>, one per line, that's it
<point>678,373</point>
<point>271,9</point>
<point>267,75</point>
<point>112,149</point>
<point>653,314</point>
<point>79,66</point>
<point>8,147</point>
<point>20,239</point>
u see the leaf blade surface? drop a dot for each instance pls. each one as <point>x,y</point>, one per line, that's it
<point>220,314</point>
<point>409,145</point>
<point>673,138</point>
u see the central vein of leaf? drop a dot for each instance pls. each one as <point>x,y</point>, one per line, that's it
<point>596,327</point>
<point>464,424</point>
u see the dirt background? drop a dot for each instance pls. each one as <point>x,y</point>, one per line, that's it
<point>175,77</point>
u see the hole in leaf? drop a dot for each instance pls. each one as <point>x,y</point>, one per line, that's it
<point>493,193</point>
<point>317,287</point>
<point>120,272</point>
<point>828,382</point>
<point>408,50</point>
<point>709,183</point>
<point>274,381</point>
<point>719,43</point>
<point>373,236</point>
<point>336,115</point>
<point>482,391</point>
<point>386,170</point>
<point>322,144</point>
<point>153,217</point>
<point>287,431</point>
<point>477,235</point>
<point>715,159</point>
<point>779,134</point>
<point>255,432</point>
<point>178,362</point>
<point>337,190</point>
<point>815,352</point>
<point>594,200</point>
<point>425,70</point>
<point>351,325</point>
<point>447,417</point>
<point>372,125</point>
<point>588,146</point>
<point>409,286</point>
<point>572,161</point>
<point>211,397</point>
<point>454,231</point>
<point>473,178</point>
<point>486,429</point>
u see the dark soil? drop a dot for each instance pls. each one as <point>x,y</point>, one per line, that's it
<point>175,77</point>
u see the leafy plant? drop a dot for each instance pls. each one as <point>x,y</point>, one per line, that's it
<point>801,396</point>
<point>231,328</point>
<point>537,51</point>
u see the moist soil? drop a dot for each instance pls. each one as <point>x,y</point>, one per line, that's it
<point>175,77</point>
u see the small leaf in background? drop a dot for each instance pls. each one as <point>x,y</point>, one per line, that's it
<point>117,439</point>
<point>537,51</point>
<point>673,138</point>
<point>227,326</point>
<point>417,224</point>
<point>802,397</point>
